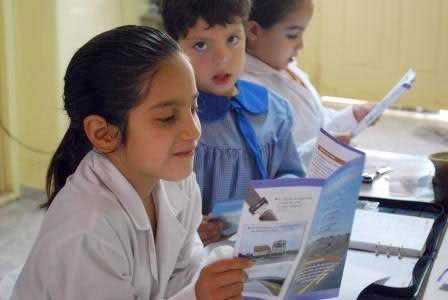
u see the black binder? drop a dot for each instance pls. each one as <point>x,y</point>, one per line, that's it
<point>424,264</point>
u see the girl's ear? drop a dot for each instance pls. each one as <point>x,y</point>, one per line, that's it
<point>103,136</point>
<point>253,30</point>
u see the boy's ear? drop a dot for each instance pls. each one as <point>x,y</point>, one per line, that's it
<point>103,136</point>
<point>253,30</point>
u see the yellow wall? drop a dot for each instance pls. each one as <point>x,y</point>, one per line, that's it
<point>8,153</point>
<point>37,39</point>
<point>360,48</point>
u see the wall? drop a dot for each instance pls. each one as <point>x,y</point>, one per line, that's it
<point>360,48</point>
<point>38,39</point>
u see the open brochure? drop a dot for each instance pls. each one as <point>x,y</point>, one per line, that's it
<point>298,230</point>
<point>402,86</point>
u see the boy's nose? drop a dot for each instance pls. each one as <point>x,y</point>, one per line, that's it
<point>221,55</point>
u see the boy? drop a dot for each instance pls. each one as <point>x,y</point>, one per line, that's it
<point>246,129</point>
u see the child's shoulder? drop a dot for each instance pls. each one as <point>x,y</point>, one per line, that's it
<point>277,105</point>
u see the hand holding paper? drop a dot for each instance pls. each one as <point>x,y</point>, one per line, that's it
<point>402,86</point>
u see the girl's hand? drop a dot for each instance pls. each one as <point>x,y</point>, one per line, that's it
<point>361,110</point>
<point>345,137</point>
<point>210,230</point>
<point>223,279</point>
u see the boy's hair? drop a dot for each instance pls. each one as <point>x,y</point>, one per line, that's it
<point>267,13</point>
<point>108,76</point>
<point>180,15</point>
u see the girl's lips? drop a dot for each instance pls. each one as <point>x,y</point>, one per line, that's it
<point>184,153</point>
<point>221,78</point>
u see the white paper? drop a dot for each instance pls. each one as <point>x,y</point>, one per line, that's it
<point>388,233</point>
<point>356,278</point>
<point>398,270</point>
<point>443,279</point>
<point>402,86</point>
<point>328,156</point>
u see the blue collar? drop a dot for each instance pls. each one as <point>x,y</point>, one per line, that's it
<point>252,97</point>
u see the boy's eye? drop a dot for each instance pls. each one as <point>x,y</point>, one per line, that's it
<point>233,40</point>
<point>200,46</point>
<point>292,36</point>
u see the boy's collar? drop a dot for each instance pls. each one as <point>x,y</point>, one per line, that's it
<point>252,97</point>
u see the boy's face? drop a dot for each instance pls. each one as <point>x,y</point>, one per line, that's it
<point>217,55</point>
<point>280,44</point>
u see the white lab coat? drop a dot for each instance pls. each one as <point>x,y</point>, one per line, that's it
<point>309,113</point>
<point>96,240</point>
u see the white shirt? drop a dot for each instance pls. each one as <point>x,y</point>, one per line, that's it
<point>96,240</point>
<point>309,113</point>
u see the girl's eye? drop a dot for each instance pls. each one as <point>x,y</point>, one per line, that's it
<point>194,109</point>
<point>169,119</point>
<point>292,36</point>
<point>201,46</point>
<point>233,40</point>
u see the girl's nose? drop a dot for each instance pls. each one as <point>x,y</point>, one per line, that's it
<point>300,44</point>
<point>192,128</point>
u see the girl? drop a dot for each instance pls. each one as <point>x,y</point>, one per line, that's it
<point>274,38</point>
<point>124,206</point>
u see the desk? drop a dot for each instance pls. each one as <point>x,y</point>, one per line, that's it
<point>432,289</point>
<point>410,178</point>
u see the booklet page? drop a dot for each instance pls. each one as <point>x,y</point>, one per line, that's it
<point>329,155</point>
<point>274,225</point>
<point>402,86</point>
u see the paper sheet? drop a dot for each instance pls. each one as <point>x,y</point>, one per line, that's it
<point>356,279</point>
<point>402,86</point>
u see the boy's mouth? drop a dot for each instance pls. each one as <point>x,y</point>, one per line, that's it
<point>221,78</point>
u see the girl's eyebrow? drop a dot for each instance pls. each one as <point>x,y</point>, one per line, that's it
<point>170,103</point>
<point>295,27</point>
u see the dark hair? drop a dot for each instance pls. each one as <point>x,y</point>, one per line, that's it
<point>107,76</point>
<point>267,13</point>
<point>180,15</point>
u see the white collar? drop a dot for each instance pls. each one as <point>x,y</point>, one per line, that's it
<point>256,66</point>
<point>167,194</point>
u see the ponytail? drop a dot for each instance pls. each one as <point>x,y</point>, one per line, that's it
<point>72,149</point>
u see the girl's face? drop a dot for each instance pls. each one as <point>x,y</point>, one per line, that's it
<point>280,44</point>
<point>164,128</point>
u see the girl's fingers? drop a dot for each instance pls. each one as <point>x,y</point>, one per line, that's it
<point>209,232</point>
<point>224,265</point>
<point>231,291</point>
<point>230,278</point>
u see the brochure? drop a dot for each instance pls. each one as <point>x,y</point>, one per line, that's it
<point>298,230</point>
<point>402,86</point>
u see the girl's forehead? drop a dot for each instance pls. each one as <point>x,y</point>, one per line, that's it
<point>301,15</point>
<point>173,79</point>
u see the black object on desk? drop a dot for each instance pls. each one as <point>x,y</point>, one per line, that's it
<point>424,264</point>
<point>440,179</point>
<point>370,177</point>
